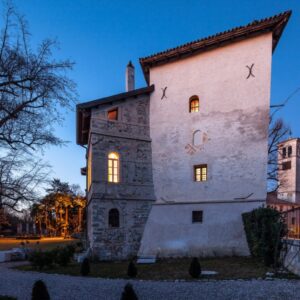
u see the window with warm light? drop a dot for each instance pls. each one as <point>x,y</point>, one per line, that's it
<point>114,218</point>
<point>113,167</point>
<point>89,168</point>
<point>200,173</point>
<point>194,104</point>
<point>112,114</point>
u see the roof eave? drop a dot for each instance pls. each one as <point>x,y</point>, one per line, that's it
<point>274,24</point>
<point>87,106</point>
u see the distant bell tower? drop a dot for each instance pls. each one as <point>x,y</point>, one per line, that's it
<point>289,170</point>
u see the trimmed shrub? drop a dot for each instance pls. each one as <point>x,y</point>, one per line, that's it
<point>132,270</point>
<point>63,256</point>
<point>39,291</point>
<point>85,267</point>
<point>264,229</point>
<point>129,293</point>
<point>195,268</point>
<point>41,259</point>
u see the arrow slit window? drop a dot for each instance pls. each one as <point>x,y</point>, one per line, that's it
<point>113,167</point>
<point>194,104</point>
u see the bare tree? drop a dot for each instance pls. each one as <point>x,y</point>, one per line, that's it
<point>278,132</point>
<point>20,178</point>
<point>34,89</point>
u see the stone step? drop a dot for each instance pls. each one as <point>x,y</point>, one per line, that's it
<point>146,260</point>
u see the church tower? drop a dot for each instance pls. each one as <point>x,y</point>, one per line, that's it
<point>289,167</point>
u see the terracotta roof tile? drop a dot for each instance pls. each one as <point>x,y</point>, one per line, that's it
<point>273,24</point>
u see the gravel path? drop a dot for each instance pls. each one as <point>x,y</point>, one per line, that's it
<point>19,284</point>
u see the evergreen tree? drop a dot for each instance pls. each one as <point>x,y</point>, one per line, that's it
<point>85,267</point>
<point>195,268</point>
<point>132,270</point>
<point>39,291</point>
<point>129,293</point>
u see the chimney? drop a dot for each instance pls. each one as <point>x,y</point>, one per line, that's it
<point>129,77</point>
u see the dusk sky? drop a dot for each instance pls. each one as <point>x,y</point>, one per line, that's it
<point>102,36</point>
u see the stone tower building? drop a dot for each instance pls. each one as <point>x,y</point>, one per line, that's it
<point>172,166</point>
<point>289,168</point>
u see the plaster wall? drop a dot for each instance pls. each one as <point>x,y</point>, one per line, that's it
<point>169,231</point>
<point>232,123</point>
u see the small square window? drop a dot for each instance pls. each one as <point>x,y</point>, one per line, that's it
<point>200,173</point>
<point>112,114</point>
<point>197,216</point>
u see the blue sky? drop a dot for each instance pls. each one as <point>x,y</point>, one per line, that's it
<point>102,36</point>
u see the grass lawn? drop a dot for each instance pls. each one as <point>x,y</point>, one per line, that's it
<point>44,243</point>
<point>172,269</point>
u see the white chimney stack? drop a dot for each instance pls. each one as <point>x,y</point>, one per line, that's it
<point>129,77</point>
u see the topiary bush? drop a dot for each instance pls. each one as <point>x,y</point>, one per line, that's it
<point>39,259</point>
<point>132,270</point>
<point>195,268</point>
<point>39,291</point>
<point>85,267</point>
<point>63,256</point>
<point>129,293</point>
<point>264,229</point>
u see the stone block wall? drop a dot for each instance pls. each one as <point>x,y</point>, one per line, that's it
<point>133,196</point>
<point>122,242</point>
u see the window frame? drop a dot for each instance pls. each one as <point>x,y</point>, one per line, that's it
<point>194,108</point>
<point>197,216</point>
<point>111,111</point>
<point>287,165</point>
<point>289,151</point>
<point>113,168</point>
<point>284,152</point>
<point>203,177</point>
<point>113,218</point>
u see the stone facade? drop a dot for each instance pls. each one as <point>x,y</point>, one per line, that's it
<point>133,195</point>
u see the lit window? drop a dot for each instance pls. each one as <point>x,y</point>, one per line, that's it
<point>113,167</point>
<point>286,165</point>
<point>89,169</point>
<point>200,173</point>
<point>194,104</point>
<point>290,151</point>
<point>112,114</point>
<point>197,216</point>
<point>114,218</point>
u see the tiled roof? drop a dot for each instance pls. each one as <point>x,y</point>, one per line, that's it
<point>273,24</point>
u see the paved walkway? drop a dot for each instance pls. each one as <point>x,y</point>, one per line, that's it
<point>19,284</point>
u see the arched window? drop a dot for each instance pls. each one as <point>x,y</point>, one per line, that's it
<point>113,218</point>
<point>197,138</point>
<point>194,104</point>
<point>113,167</point>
